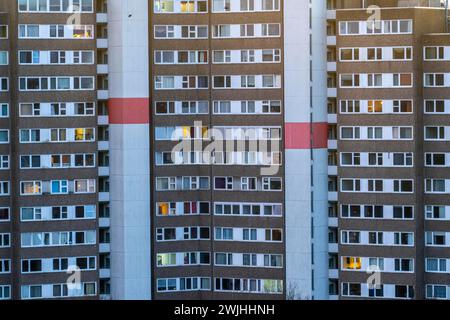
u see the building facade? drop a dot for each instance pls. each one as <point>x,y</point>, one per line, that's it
<point>224,149</point>
<point>388,120</point>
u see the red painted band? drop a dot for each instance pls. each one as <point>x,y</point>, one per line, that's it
<point>129,111</point>
<point>298,136</point>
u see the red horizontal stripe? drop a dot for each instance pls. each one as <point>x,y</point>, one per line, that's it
<point>298,135</point>
<point>129,111</point>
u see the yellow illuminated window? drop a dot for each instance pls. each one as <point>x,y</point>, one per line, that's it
<point>204,132</point>
<point>79,134</point>
<point>352,263</point>
<point>375,106</point>
<point>186,132</point>
<point>187,6</point>
<point>163,209</point>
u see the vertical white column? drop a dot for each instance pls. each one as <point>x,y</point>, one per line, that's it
<point>129,149</point>
<point>306,204</point>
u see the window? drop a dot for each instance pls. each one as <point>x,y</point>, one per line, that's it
<point>4,214</point>
<point>59,187</point>
<point>406,292</point>
<point>5,240</point>
<point>351,289</point>
<point>402,80</point>
<point>31,188</point>
<point>434,79</point>
<point>435,186</point>
<point>435,212</point>
<point>404,238</point>
<point>3,57</point>
<point>435,106</point>
<point>435,133</point>
<point>224,234</point>
<point>85,186</point>
<point>434,53</point>
<point>436,265</point>
<point>4,84</point>
<point>3,32</point>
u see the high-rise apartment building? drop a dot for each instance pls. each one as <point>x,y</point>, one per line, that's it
<point>224,149</point>
<point>388,125</point>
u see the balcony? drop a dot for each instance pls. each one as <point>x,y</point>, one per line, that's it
<point>332,144</point>
<point>103,171</point>
<point>333,247</point>
<point>103,17</point>
<point>332,118</point>
<point>102,43</point>
<point>333,274</point>
<point>331,14</point>
<point>104,247</point>
<point>105,273</point>
<point>332,92</point>
<point>103,120</point>
<point>102,68</point>
<point>333,222</point>
<point>332,66</point>
<point>103,196</point>
<point>332,196</point>
<point>332,170</point>
<point>102,94</point>
<point>103,145</point>
<point>331,40</point>
<point>104,222</point>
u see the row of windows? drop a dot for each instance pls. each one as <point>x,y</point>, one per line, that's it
<point>434,106</point>
<point>219,56</point>
<point>56,31</point>
<point>58,238</point>
<point>433,265</point>
<point>56,161</point>
<point>56,57</point>
<point>56,83</point>
<point>377,238</point>
<point>166,209</point>
<point>60,135</point>
<point>385,159</point>
<point>376,159</point>
<point>376,133</point>
<point>49,291</point>
<point>220,183</point>
<point>218,82</point>
<point>217,133</point>
<point>223,31</point>
<point>51,109</point>
<point>380,291</point>
<point>220,234</point>
<point>376,80</point>
<point>244,107</point>
<point>221,259</point>
<point>375,54</point>
<point>393,133</point>
<point>50,265</point>
<point>432,212</point>
<point>380,264</point>
<point>247,158</point>
<point>218,6</point>
<point>432,186</point>
<point>221,284</point>
<point>384,238</point>
<point>433,291</point>
<point>56,187</point>
<point>374,27</point>
<point>431,53</point>
<point>68,6</point>
<point>52,213</point>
